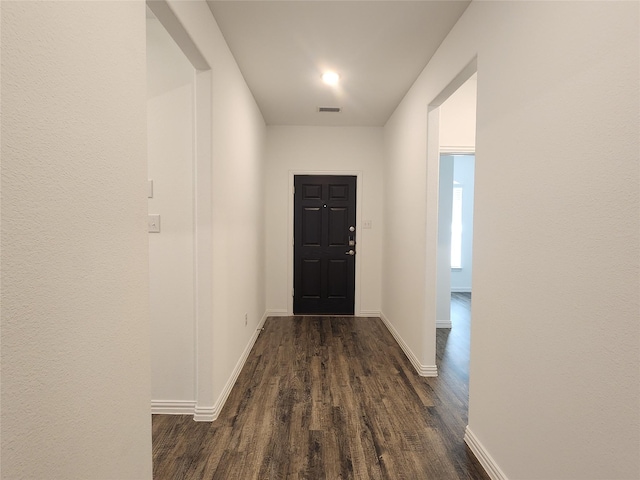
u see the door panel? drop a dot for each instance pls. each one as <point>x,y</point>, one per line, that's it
<point>311,275</point>
<point>311,192</point>
<point>324,234</point>
<point>338,226</point>
<point>311,227</point>
<point>338,192</point>
<point>338,270</point>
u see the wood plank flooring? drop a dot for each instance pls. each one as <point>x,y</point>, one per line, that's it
<point>327,398</point>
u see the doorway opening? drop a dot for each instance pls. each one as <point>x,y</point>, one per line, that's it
<point>456,190</point>
<point>170,168</point>
<point>185,385</point>
<point>455,219</point>
<point>451,136</point>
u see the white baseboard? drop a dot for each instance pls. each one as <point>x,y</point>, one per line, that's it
<point>276,313</point>
<point>423,370</point>
<point>452,149</point>
<point>261,324</point>
<point>204,414</point>
<point>172,407</point>
<point>443,323</point>
<point>209,414</point>
<point>461,290</point>
<point>487,462</point>
<point>370,313</point>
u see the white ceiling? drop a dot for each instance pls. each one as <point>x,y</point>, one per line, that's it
<point>378,47</point>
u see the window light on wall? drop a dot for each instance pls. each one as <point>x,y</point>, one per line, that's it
<point>456,227</point>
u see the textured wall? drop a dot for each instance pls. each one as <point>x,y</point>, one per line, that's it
<point>75,334</point>
<point>554,381</point>
<point>556,274</point>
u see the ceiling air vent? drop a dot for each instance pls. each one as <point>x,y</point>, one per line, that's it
<point>329,109</point>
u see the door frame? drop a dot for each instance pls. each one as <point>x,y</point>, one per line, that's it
<point>290,232</point>
<point>202,407</point>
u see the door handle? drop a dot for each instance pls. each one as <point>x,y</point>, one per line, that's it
<point>351,252</point>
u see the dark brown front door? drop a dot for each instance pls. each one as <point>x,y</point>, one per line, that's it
<point>324,266</point>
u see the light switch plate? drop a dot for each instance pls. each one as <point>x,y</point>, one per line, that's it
<point>154,223</point>
<point>150,189</point>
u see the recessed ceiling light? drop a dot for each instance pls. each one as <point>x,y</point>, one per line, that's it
<point>330,78</point>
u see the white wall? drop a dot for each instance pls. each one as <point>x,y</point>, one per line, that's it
<point>75,329</point>
<point>445,209</point>
<point>458,168</point>
<point>238,134</point>
<point>554,380</point>
<point>458,119</point>
<point>317,149</point>
<point>464,173</point>
<point>170,137</point>
<point>404,281</point>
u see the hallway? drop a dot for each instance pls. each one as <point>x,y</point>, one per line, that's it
<point>329,397</point>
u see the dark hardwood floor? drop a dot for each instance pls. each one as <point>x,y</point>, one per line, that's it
<point>329,398</point>
<point>453,344</point>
